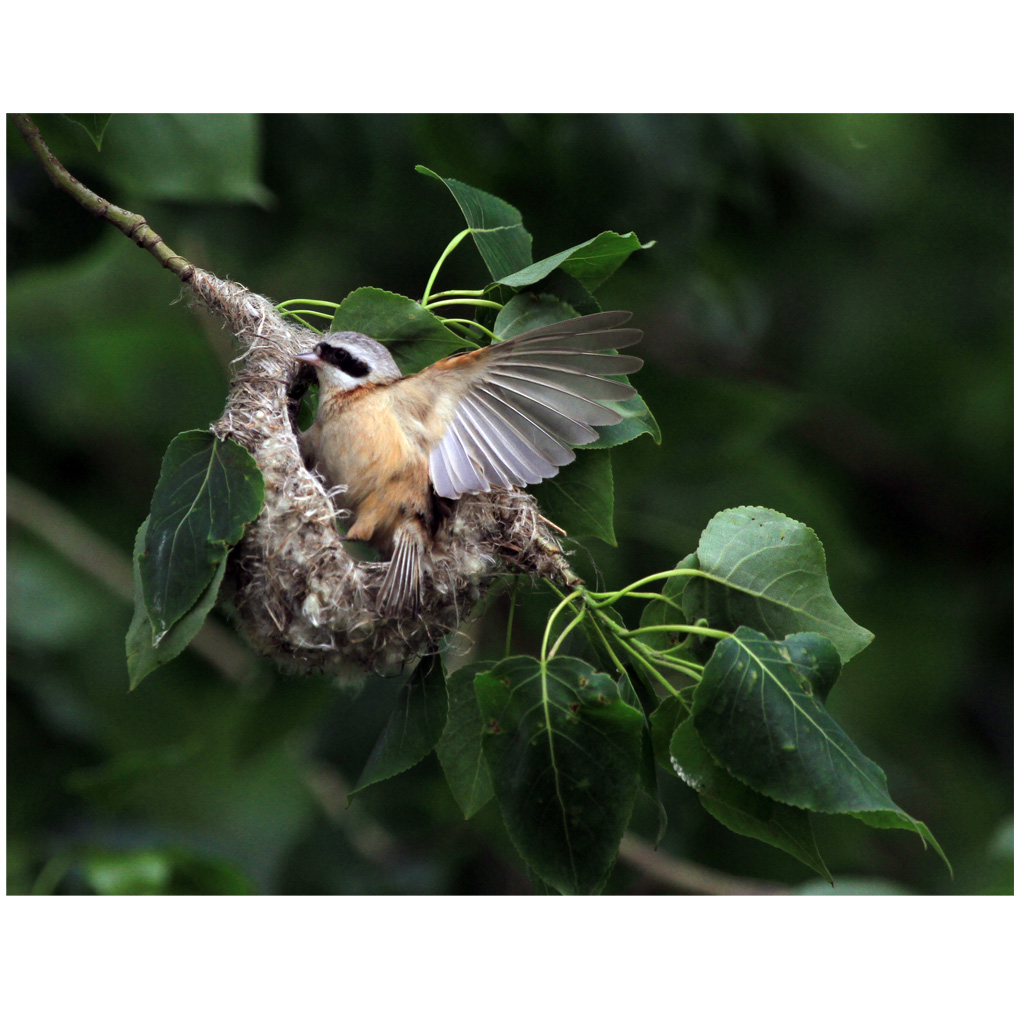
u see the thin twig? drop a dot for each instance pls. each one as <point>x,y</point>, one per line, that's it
<point>554,526</point>
<point>685,876</point>
<point>70,537</point>
<point>131,224</point>
<point>331,790</point>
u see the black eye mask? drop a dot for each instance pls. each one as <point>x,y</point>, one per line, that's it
<point>343,360</point>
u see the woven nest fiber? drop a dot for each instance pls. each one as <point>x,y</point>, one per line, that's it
<point>298,594</point>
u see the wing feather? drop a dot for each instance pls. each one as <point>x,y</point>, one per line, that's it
<point>594,323</point>
<point>512,416</point>
<point>585,342</point>
<point>594,365</point>
<point>515,462</point>
<point>485,467</point>
<point>552,421</point>
<point>517,407</point>
<point>557,398</point>
<point>460,470</point>
<point>439,475</point>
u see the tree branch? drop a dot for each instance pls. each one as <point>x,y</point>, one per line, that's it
<point>686,876</point>
<point>131,224</point>
<point>70,537</point>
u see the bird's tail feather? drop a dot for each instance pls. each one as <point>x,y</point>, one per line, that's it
<point>400,592</point>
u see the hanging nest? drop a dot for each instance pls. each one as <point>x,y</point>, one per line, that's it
<point>298,594</point>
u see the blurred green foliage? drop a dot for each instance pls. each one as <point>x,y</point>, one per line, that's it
<point>828,318</point>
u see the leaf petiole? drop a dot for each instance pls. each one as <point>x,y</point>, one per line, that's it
<point>568,599</point>
<point>610,597</point>
<point>511,616</point>
<point>312,302</point>
<point>667,661</point>
<point>307,312</point>
<point>304,323</point>
<point>451,247</point>
<point>637,655</point>
<point>459,293</point>
<point>608,647</point>
<point>478,303</point>
<point>568,629</point>
<point>717,634</point>
<point>461,323</point>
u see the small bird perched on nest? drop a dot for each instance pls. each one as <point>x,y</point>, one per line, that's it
<point>502,416</point>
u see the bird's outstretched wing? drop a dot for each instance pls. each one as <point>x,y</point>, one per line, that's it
<point>514,410</point>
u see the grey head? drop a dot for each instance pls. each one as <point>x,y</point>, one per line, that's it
<point>348,360</point>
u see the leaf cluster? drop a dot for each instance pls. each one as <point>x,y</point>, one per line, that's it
<point>723,682</point>
<point>565,745</point>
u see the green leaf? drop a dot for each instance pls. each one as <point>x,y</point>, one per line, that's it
<point>763,569</point>
<point>94,124</point>
<point>665,719</point>
<point>591,262</point>
<point>497,227</point>
<point>527,311</point>
<point>540,887</point>
<point>757,712</point>
<point>740,808</point>
<point>563,286</point>
<point>648,767</point>
<point>595,261</point>
<point>563,750</point>
<point>414,335</point>
<point>460,749</point>
<point>207,492</point>
<point>637,419</point>
<point>815,664</point>
<point>580,499</point>
<point>142,655</point>
<point>415,725</point>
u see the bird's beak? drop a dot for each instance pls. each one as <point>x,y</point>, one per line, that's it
<point>309,357</point>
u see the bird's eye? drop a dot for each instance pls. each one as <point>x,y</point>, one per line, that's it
<point>343,360</point>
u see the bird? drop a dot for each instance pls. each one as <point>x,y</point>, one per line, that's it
<point>396,449</point>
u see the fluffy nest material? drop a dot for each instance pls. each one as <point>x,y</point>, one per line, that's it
<point>300,597</point>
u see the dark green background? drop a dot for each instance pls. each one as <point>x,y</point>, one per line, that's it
<point>828,321</point>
